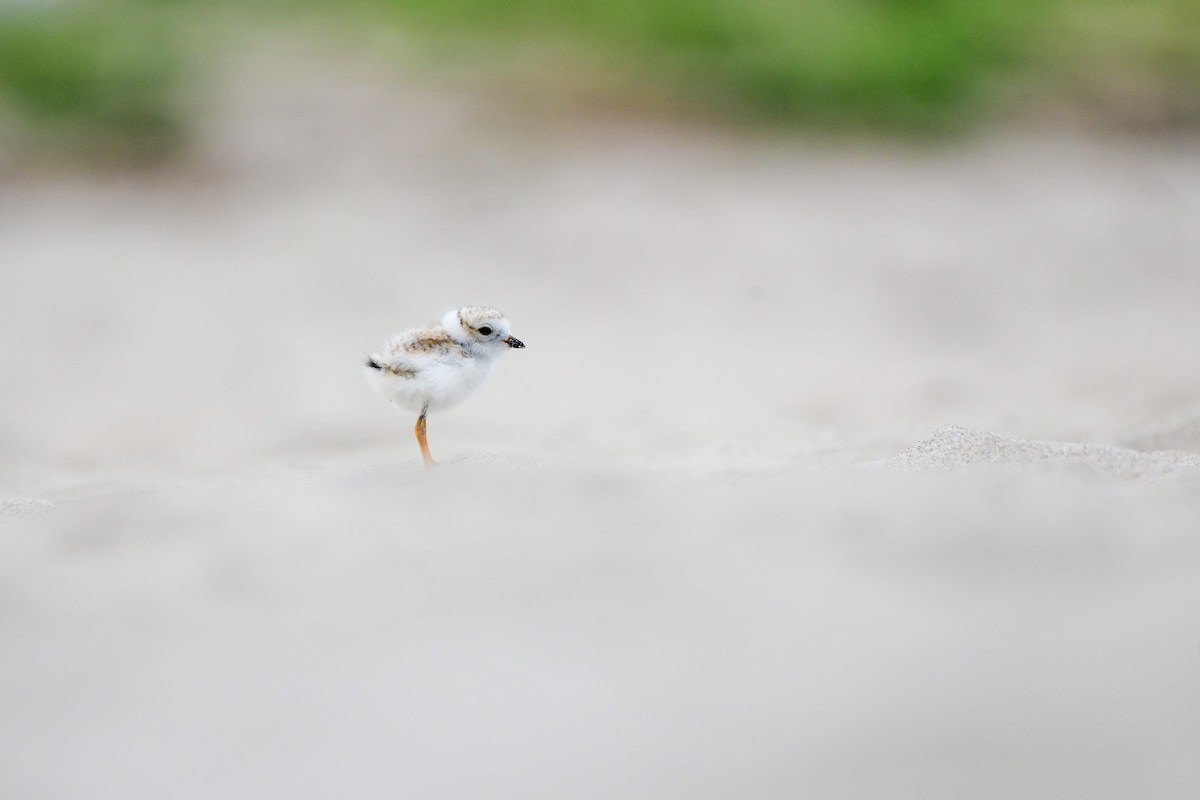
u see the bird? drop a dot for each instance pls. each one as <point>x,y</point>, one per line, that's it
<point>431,369</point>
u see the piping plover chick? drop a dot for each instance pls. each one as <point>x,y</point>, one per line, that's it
<point>429,369</point>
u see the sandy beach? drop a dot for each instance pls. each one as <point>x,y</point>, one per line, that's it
<point>830,470</point>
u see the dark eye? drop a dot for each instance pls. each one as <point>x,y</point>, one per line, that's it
<point>485,330</point>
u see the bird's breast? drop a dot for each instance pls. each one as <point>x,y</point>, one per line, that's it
<point>453,380</point>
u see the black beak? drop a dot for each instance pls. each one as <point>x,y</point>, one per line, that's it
<point>514,343</point>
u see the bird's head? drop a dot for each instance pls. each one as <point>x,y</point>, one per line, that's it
<point>484,328</point>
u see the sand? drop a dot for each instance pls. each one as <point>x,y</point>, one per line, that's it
<point>831,470</point>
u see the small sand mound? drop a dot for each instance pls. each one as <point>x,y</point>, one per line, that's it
<point>953,448</point>
<point>497,460</point>
<point>15,507</point>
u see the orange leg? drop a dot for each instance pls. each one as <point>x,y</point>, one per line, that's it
<point>420,431</point>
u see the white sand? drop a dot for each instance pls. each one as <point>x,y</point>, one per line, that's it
<point>954,447</point>
<point>714,534</point>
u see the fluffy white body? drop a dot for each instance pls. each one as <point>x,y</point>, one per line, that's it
<point>431,369</point>
<point>443,381</point>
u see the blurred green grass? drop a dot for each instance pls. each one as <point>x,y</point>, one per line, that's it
<point>912,66</point>
<point>884,64</point>
<point>94,80</point>
<point>113,73</point>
